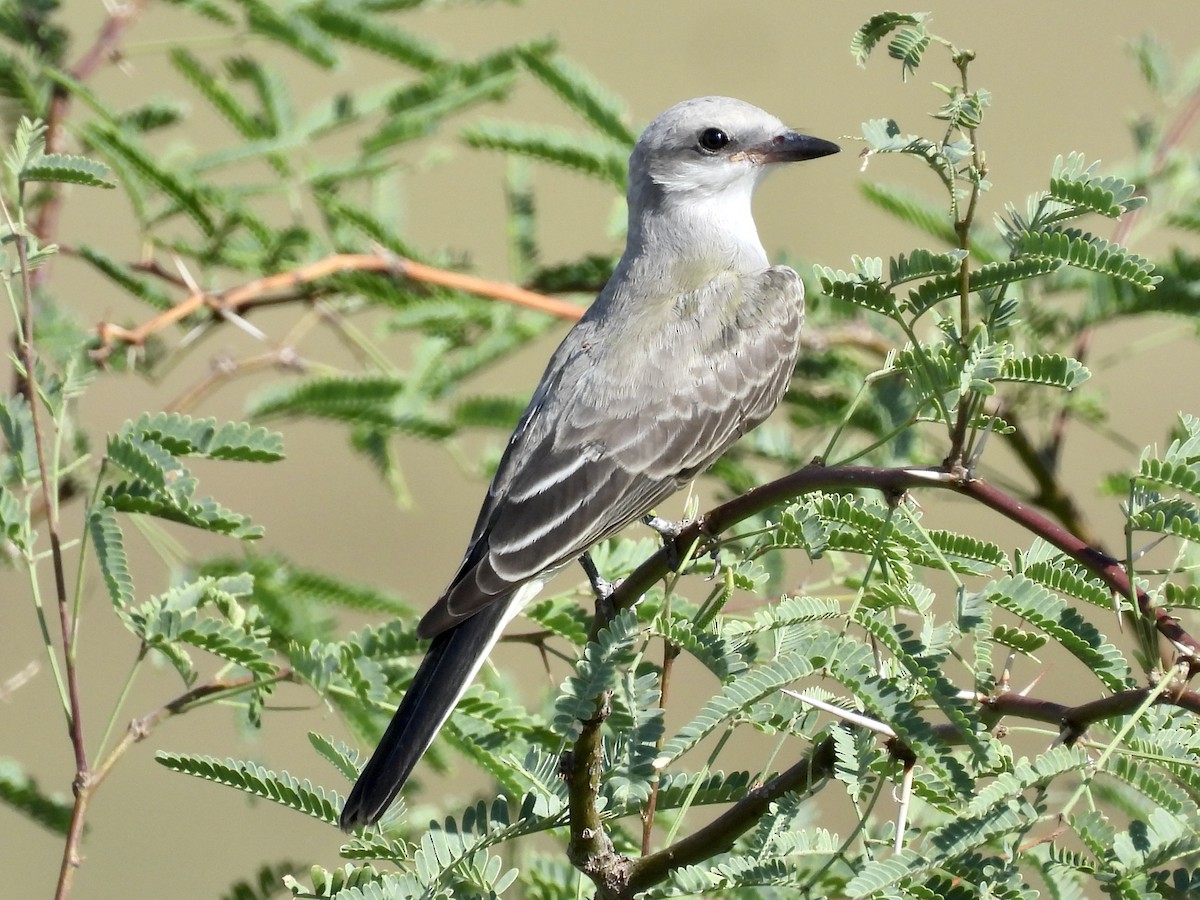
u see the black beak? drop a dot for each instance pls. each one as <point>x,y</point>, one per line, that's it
<point>793,147</point>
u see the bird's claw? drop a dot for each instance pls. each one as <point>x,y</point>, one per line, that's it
<point>668,531</point>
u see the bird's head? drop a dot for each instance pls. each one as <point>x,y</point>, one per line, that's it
<point>713,147</point>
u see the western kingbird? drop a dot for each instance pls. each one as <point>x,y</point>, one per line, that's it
<point>690,345</point>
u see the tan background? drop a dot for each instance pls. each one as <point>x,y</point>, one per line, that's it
<point>1061,82</point>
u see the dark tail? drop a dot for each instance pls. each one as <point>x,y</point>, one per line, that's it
<point>444,675</point>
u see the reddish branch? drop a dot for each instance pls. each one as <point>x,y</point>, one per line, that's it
<point>106,46</point>
<point>283,286</point>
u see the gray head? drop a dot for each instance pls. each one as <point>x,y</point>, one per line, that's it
<point>713,146</point>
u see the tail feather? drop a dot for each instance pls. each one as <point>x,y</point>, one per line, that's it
<point>447,670</point>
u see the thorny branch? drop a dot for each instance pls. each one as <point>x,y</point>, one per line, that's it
<point>297,285</point>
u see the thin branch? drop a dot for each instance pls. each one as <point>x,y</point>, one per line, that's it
<point>962,228</point>
<point>282,287</point>
<point>48,485</point>
<point>671,652</point>
<point>891,481</point>
<point>139,729</point>
<point>1051,494</point>
<point>106,46</point>
<point>589,848</point>
<point>719,834</point>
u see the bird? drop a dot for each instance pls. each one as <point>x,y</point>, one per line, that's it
<point>690,344</point>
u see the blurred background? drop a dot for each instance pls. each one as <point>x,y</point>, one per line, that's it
<point>1061,80</point>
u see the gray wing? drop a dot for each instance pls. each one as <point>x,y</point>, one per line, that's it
<point>622,419</point>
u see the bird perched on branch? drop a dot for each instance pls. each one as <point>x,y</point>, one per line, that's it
<point>690,345</point>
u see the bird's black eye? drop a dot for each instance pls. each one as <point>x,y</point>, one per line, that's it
<point>713,139</point>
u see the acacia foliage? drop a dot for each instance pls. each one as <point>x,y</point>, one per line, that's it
<point>891,673</point>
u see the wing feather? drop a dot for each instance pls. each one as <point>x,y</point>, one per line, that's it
<point>608,436</point>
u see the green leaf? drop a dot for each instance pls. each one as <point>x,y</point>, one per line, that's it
<point>637,720</point>
<point>748,688</point>
<point>110,555</point>
<point>876,29</point>
<point>204,513</point>
<point>1016,639</point>
<point>923,264</point>
<point>925,666</point>
<point>501,412</point>
<point>143,288</point>
<point>295,32</point>
<point>184,436</point>
<point>178,617</point>
<point>152,465</point>
<point>887,872</point>
<point>215,90</point>
<point>1038,606</point>
<point>561,615</point>
<point>29,143</point>
<point>1067,577</point>
<point>1090,253</point>
<point>1168,516</point>
<point>963,110</point>
<point>16,426</point>
<point>714,651</point>
<point>1076,184</point>
<point>153,115</point>
<point>991,275</point>
<point>374,401</point>
<point>606,160</point>
<point>1169,474</point>
<point>595,672</point>
<point>14,520</point>
<point>965,553</point>
<point>1177,596</point>
<point>370,32</point>
<point>257,781</point>
<point>909,46</point>
<point>884,136</point>
<point>22,794</point>
<point>1048,369</point>
<point>264,884</point>
<point>864,291</point>
<point>139,160</point>
<point>56,167</point>
<point>581,93</point>
<point>343,758</point>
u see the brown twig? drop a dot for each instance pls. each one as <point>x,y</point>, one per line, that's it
<point>139,729</point>
<point>267,290</point>
<point>670,654</point>
<point>589,847</point>
<point>891,480</point>
<point>1051,495</point>
<point>223,369</point>
<point>106,46</point>
<point>719,834</point>
<point>45,226</point>
<point>66,621</point>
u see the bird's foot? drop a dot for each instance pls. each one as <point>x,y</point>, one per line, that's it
<point>601,587</point>
<point>668,531</point>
